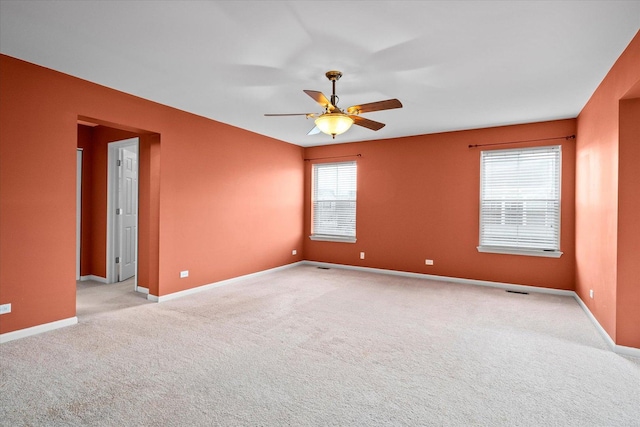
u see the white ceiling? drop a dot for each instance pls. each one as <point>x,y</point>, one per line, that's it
<point>453,64</point>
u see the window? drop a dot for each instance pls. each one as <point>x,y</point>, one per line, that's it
<point>520,201</point>
<point>333,214</point>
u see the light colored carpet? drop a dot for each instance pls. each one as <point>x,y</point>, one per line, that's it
<point>93,298</point>
<point>312,347</point>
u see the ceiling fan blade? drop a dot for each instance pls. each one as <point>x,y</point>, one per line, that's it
<point>292,114</point>
<point>369,124</point>
<point>314,131</point>
<point>320,99</point>
<point>375,106</point>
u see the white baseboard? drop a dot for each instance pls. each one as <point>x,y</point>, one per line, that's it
<point>34,330</point>
<point>142,290</point>
<point>626,351</point>
<point>197,289</point>
<point>506,286</point>
<point>618,349</point>
<point>93,278</point>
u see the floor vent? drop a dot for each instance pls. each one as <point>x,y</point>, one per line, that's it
<point>518,292</point>
<point>324,268</point>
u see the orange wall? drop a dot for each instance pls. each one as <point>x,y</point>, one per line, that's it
<point>149,212</point>
<point>628,291</point>
<point>85,138</point>
<point>229,202</point>
<point>597,192</point>
<point>418,198</point>
<point>37,218</point>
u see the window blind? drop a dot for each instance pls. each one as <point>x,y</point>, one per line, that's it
<point>334,200</point>
<point>520,198</point>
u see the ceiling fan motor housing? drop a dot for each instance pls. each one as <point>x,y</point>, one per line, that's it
<point>333,75</point>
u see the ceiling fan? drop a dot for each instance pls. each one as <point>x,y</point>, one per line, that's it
<point>334,121</point>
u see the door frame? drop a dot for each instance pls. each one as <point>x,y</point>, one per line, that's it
<point>113,154</point>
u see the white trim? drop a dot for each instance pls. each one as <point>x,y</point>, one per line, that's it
<point>326,238</point>
<point>93,278</point>
<point>619,349</point>
<point>233,280</point>
<point>626,351</point>
<point>142,290</point>
<point>335,178</point>
<point>522,251</point>
<point>34,330</point>
<point>595,322</point>
<point>506,286</point>
<point>519,251</point>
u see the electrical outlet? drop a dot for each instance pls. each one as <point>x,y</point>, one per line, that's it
<point>591,293</point>
<point>428,262</point>
<point>184,274</point>
<point>5,308</point>
<point>361,255</point>
<point>294,252</point>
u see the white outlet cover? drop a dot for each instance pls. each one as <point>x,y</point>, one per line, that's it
<point>294,252</point>
<point>184,274</point>
<point>361,255</point>
<point>5,308</point>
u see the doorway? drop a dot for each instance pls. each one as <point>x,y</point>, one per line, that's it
<point>122,211</point>
<point>103,145</point>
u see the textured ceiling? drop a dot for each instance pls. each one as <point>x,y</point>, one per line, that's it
<point>453,64</point>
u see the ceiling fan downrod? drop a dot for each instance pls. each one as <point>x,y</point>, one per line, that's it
<point>334,76</point>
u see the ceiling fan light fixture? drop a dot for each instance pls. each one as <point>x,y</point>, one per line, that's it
<point>334,123</point>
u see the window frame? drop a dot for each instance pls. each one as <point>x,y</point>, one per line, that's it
<point>554,252</point>
<point>328,237</point>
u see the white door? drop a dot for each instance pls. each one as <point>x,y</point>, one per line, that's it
<point>122,210</point>
<point>128,212</point>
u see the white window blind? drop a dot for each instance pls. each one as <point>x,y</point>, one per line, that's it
<point>520,200</point>
<point>334,201</point>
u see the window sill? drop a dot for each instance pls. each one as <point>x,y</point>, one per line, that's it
<point>324,238</point>
<point>516,251</point>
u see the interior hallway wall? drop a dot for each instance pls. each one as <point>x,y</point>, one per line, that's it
<point>628,283</point>
<point>601,174</point>
<point>229,202</point>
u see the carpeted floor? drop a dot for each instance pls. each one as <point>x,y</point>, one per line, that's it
<point>313,347</point>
